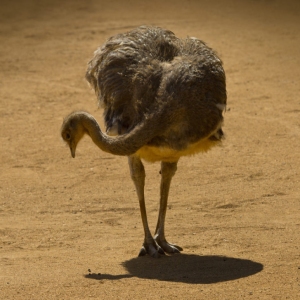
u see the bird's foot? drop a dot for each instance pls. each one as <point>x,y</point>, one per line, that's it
<point>152,249</point>
<point>167,247</point>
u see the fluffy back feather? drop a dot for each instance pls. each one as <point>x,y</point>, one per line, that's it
<point>135,74</point>
<point>125,72</point>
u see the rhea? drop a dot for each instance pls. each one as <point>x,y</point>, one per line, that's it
<point>163,98</point>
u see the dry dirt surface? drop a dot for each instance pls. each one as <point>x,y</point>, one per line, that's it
<point>71,228</point>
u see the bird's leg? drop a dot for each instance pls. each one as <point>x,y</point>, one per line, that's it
<point>167,172</point>
<point>137,173</point>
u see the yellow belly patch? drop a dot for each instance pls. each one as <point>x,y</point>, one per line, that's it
<point>152,154</point>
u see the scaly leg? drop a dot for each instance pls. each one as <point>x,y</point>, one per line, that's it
<point>167,172</point>
<point>137,172</point>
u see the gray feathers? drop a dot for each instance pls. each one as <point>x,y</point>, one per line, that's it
<point>148,69</point>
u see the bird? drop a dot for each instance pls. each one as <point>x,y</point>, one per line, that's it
<point>163,97</point>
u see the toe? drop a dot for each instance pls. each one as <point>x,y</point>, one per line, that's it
<point>168,247</point>
<point>151,249</point>
<point>177,247</point>
<point>142,252</point>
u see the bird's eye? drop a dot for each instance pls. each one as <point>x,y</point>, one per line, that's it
<point>68,136</point>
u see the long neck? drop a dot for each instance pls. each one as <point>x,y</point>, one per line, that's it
<point>125,144</point>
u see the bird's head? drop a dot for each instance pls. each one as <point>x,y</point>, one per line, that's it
<point>72,131</point>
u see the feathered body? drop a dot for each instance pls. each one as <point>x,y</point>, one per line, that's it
<point>150,71</point>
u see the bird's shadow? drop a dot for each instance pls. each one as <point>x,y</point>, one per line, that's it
<point>186,268</point>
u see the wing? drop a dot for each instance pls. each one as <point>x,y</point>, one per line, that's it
<point>125,73</point>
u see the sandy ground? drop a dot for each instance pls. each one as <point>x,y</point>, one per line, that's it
<point>71,228</point>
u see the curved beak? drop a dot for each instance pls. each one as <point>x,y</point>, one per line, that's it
<point>73,149</point>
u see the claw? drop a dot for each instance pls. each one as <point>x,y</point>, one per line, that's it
<point>142,252</point>
<point>175,250</point>
<point>177,247</point>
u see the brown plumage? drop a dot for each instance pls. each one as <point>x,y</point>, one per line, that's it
<point>163,97</point>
